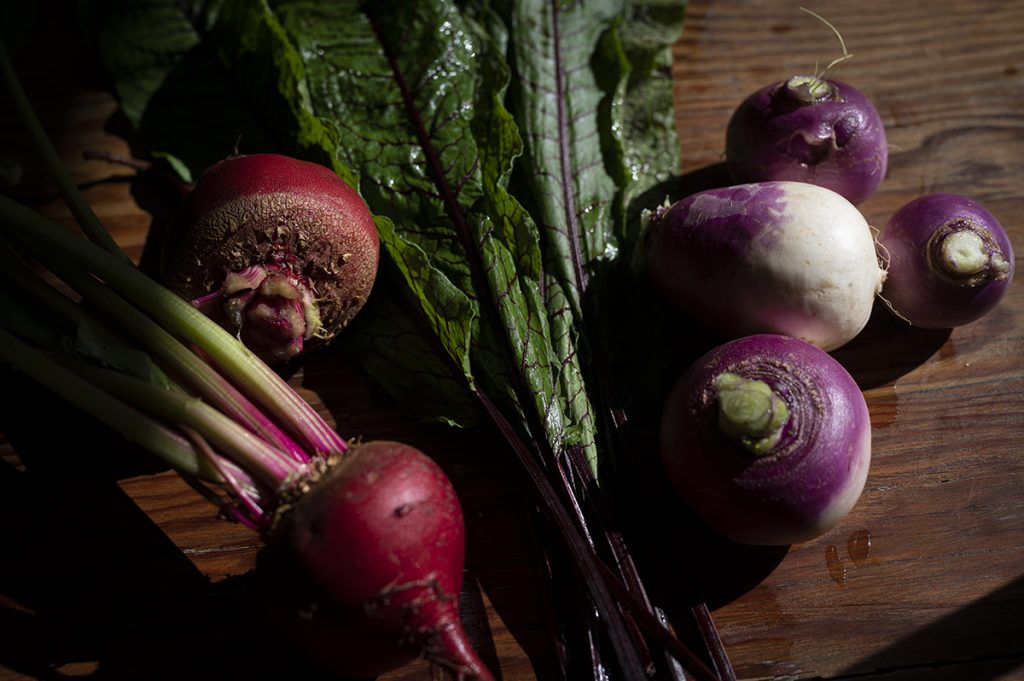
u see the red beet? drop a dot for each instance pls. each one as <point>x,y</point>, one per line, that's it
<point>283,252</point>
<point>364,569</point>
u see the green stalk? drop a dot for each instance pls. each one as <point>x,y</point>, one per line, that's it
<point>17,272</point>
<point>38,311</point>
<point>130,422</point>
<point>192,369</point>
<point>750,412</point>
<point>43,238</point>
<point>79,207</point>
<point>253,454</point>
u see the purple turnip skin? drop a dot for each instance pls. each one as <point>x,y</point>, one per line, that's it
<point>950,261</point>
<point>363,571</point>
<point>769,257</point>
<point>282,252</point>
<point>798,487</point>
<point>809,129</point>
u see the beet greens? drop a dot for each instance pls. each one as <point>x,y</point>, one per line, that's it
<point>492,234</point>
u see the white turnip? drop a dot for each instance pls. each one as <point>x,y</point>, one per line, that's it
<point>770,257</point>
<point>950,261</point>
<point>768,439</point>
<point>283,252</point>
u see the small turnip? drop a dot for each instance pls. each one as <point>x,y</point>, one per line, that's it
<point>809,128</point>
<point>950,261</point>
<point>825,132</point>
<point>283,252</point>
<point>768,439</point>
<point>769,257</point>
<point>362,572</point>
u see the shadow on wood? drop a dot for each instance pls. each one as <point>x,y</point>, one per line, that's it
<point>982,640</point>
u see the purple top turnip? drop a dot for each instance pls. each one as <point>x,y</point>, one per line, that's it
<point>950,261</point>
<point>809,129</point>
<point>283,252</point>
<point>770,257</point>
<point>768,439</point>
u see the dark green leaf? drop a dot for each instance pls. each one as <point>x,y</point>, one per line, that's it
<point>649,138</point>
<point>419,113</point>
<point>403,358</point>
<point>352,85</point>
<point>556,99</point>
<point>172,87</point>
<point>410,98</point>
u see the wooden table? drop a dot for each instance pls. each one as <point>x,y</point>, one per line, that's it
<point>112,568</point>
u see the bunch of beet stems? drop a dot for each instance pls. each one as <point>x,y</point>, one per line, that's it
<point>241,432</point>
<point>243,429</point>
<point>572,501</point>
<point>569,493</point>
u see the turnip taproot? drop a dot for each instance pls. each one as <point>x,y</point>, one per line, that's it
<point>950,261</point>
<point>768,439</point>
<point>282,251</point>
<point>809,128</point>
<point>770,257</point>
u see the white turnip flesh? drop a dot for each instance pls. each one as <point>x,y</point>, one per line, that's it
<point>769,257</point>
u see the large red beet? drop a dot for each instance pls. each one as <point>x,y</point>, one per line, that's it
<point>283,252</point>
<point>364,570</point>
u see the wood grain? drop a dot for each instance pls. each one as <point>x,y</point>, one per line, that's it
<point>939,591</point>
<point>113,568</point>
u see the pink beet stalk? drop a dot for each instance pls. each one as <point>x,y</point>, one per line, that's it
<point>198,374</point>
<point>386,509</point>
<point>365,546</point>
<point>263,385</point>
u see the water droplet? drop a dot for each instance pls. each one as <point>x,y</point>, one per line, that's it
<point>858,546</point>
<point>836,569</point>
<point>885,408</point>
